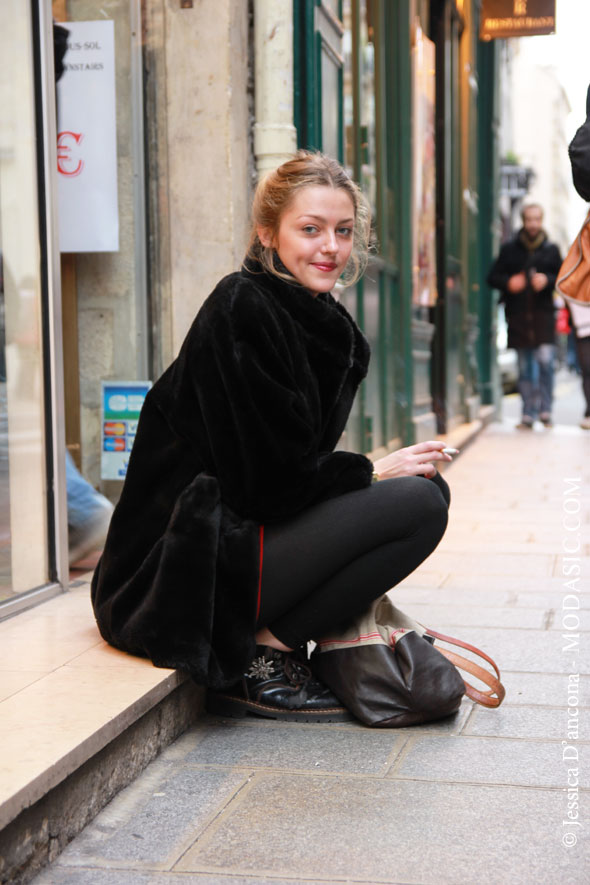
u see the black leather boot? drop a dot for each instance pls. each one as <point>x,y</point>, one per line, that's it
<point>279,685</point>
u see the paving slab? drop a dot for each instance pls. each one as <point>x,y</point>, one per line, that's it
<point>525,616</point>
<point>155,819</point>
<point>387,831</point>
<point>533,651</point>
<point>469,759</point>
<point>492,563</point>
<point>93,876</point>
<point>508,582</point>
<point>529,722</point>
<point>355,750</point>
<point>546,689</point>
<point>439,615</point>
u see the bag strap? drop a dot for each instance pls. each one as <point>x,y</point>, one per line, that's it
<point>485,698</point>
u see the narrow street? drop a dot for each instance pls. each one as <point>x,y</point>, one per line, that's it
<point>506,791</point>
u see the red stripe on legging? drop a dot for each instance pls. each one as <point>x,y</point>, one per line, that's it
<point>261,535</point>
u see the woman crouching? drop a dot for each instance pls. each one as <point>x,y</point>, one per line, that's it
<point>241,533</point>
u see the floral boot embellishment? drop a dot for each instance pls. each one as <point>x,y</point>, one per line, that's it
<point>260,668</point>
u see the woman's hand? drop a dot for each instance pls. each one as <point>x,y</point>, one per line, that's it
<point>414,460</point>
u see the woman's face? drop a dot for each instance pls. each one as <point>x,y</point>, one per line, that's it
<point>315,236</point>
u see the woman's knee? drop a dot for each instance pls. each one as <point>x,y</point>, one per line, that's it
<point>424,503</point>
<point>443,487</point>
<point>433,510</point>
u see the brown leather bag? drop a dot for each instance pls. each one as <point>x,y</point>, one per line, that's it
<point>387,671</point>
<point>573,279</point>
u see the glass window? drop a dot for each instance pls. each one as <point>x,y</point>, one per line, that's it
<point>330,104</point>
<point>359,106</point>
<point>368,150</point>
<point>104,276</point>
<point>23,508</point>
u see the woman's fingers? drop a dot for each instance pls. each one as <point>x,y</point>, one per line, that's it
<point>431,445</point>
<point>426,469</point>
<point>430,450</point>
<point>439,455</point>
<point>416,460</point>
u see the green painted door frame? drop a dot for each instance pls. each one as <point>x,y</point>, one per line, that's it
<point>400,155</point>
<point>448,314</point>
<point>488,157</point>
<point>311,41</point>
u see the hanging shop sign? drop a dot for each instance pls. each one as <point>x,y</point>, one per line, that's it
<point>87,140</point>
<point>121,405</point>
<point>516,18</point>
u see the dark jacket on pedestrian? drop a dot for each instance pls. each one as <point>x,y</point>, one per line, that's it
<point>579,153</point>
<point>530,315</point>
<point>237,433</point>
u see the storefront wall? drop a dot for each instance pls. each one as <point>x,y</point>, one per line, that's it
<point>190,137</point>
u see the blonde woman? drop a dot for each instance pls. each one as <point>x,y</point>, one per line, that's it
<point>241,533</point>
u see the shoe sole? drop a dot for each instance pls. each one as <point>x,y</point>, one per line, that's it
<point>239,708</point>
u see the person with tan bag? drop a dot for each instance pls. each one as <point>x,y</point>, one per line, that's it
<point>573,281</point>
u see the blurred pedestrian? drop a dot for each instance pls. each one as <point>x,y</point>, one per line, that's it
<point>580,316</point>
<point>579,154</point>
<point>525,272</point>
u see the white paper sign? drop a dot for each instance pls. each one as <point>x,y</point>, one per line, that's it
<point>87,141</point>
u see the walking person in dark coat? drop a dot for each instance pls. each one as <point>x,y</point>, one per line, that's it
<point>525,272</point>
<point>240,533</point>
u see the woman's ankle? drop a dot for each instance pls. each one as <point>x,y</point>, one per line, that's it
<point>265,637</point>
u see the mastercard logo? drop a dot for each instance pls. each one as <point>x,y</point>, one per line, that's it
<point>114,428</point>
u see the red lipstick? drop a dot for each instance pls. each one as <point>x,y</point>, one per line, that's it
<point>326,266</point>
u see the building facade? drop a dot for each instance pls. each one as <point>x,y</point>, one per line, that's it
<point>208,96</point>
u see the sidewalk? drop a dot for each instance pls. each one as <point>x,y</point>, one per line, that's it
<point>482,796</point>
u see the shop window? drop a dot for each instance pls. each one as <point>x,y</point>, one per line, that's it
<point>104,272</point>
<point>23,487</point>
<point>359,97</point>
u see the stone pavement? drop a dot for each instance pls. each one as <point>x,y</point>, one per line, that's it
<point>482,796</point>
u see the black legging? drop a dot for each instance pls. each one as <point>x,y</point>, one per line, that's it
<point>331,561</point>
<point>583,348</point>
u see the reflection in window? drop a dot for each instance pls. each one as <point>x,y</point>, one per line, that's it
<point>360,154</point>
<point>330,110</point>
<point>367,110</point>
<point>348,97</point>
<point>23,518</point>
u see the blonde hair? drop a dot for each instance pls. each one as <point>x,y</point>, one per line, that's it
<point>276,191</point>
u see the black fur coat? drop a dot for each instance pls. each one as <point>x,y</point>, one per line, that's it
<point>238,432</point>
